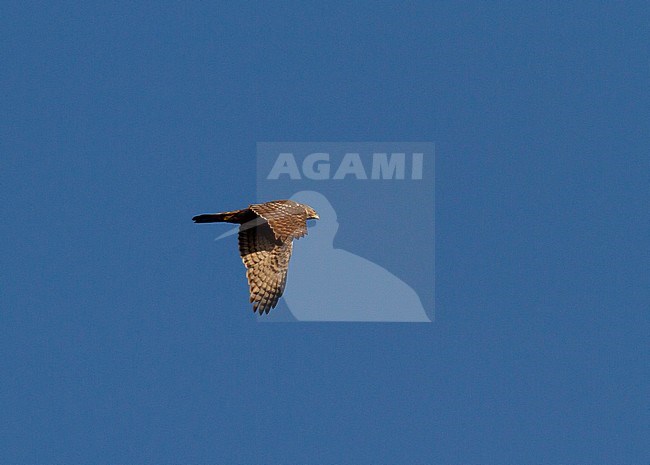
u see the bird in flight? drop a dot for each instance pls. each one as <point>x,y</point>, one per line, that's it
<point>266,234</point>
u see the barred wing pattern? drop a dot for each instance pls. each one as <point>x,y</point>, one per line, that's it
<point>267,260</point>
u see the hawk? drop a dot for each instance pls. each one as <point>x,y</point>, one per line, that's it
<point>266,235</point>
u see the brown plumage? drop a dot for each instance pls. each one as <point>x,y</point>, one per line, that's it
<point>266,235</point>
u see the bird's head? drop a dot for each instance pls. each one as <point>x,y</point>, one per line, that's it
<point>311,213</point>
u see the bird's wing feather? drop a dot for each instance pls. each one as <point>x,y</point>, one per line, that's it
<point>267,260</point>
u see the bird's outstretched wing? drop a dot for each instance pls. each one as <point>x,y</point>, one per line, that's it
<point>288,220</point>
<point>266,258</point>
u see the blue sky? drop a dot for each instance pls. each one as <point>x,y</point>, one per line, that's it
<point>123,334</point>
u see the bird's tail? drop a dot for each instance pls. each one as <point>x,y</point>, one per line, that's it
<point>226,217</point>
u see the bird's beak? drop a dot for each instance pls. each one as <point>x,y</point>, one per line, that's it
<point>316,217</point>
